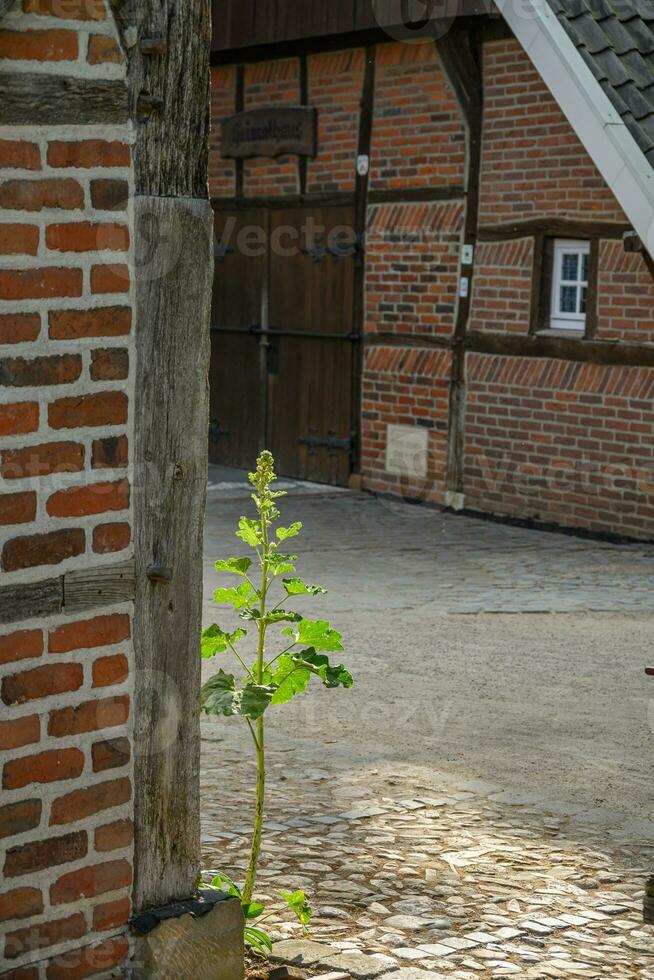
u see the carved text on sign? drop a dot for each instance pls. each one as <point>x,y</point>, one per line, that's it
<point>270,132</point>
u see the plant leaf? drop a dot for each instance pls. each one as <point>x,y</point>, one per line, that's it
<point>276,616</point>
<point>238,566</point>
<point>237,597</point>
<point>331,676</point>
<point>252,910</point>
<point>281,564</point>
<point>288,532</point>
<point>214,640</point>
<point>254,699</point>
<point>316,634</point>
<point>251,613</point>
<point>284,568</point>
<point>249,531</point>
<point>218,695</point>
<point>295,586</point>
<point>282,616</point>
<point>297,902</point>
<point>225,884</point>
<point>289,679</point>
<point>258,939</point>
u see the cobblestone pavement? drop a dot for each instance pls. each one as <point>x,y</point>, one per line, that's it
<point>428,873</point>
<point>449,562</point>
<point>419,810</point>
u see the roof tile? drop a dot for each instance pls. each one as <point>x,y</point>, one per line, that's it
<point>616,40</point>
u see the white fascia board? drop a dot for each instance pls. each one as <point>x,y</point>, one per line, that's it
<point>589,111</point>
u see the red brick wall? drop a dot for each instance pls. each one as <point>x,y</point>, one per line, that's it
<point>561,442</point>
<point>532,161</point>
<point>222,171</point>
<point>412,262</point>
<point>417,137</point>
<point>552,440</point>
<point>66,370</point>
<point>335,88</point>
<point>405,386</point>
<point>625,296</point>
<point>501,293</point>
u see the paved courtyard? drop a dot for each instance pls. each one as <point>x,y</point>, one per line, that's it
<point>479,804</point>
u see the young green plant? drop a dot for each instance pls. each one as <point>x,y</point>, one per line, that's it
<point>274,677</point>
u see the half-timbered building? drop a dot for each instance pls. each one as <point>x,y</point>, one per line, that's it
<point>433,238</point>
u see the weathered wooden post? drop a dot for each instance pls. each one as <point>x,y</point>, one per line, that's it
<point>169,83</point>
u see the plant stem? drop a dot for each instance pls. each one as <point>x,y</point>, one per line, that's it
<point>275,659</point>
<point>251,875</point>
<point>255,850</point>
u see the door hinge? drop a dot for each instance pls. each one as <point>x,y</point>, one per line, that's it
<point>336,249</point>
<point>332,441</point>
<point>220,250</point>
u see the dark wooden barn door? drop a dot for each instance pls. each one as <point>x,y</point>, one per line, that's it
<point>237,394</point>
<point>284,322</point>
<point>310,378</point>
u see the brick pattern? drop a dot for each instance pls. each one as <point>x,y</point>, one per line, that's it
<point>222,172</point>
<point>501,292</point>
<point>66,376</point>
<point>412,253</point>
<point>73,36</point>
<point>533,164</point>
<point>62,331</point>
<point>417,136</point>
<point>271,83</point>
<point>625,295</point>
<point>561,442</point>
<point>66,789</point>
<point>335,88</point>
<point>405,386</point>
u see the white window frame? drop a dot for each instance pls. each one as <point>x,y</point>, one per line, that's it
<point>560,320</point>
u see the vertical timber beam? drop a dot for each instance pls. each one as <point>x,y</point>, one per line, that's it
<point>362,180</point>
<point>464,74</point>
<point>265,387</point>
<point>303,71</point>
<point>239,106</point>
<point>167,45</point>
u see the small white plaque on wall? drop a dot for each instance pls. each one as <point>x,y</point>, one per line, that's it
<point>406,450</point>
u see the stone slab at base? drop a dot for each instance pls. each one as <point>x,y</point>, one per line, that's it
<point>201,947</point>
<point>454,500</point>
<point>354,964</point>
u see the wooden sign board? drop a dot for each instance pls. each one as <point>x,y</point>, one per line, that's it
<point>270,132</point>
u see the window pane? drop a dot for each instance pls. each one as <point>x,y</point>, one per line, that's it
<point>584,291</point>
<point>568,299</point>
<point>570,267</point>
<point>585,259</point>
